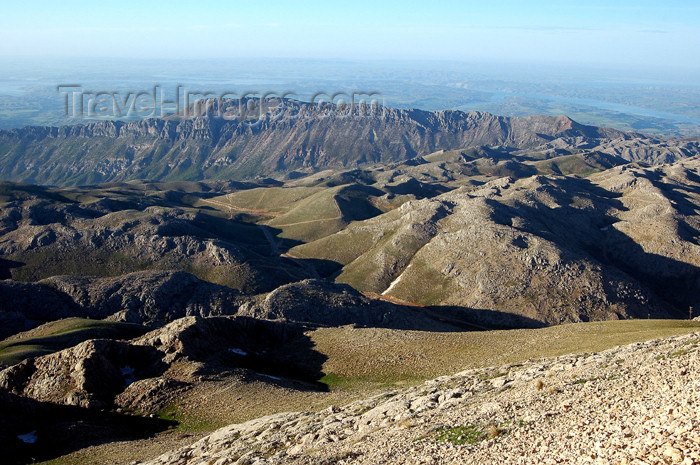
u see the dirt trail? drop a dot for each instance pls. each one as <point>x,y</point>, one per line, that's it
<point>256,211</point>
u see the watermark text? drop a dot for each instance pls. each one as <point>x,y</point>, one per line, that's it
<point>245,107</point>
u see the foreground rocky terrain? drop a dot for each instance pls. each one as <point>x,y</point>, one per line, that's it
<point>103,373</point>
<point>149,371</point>
<point>630,404</point>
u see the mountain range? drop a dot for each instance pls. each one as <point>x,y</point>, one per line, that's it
<point>296,138</point>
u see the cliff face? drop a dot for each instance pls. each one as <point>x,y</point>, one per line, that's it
<point>296,136</point>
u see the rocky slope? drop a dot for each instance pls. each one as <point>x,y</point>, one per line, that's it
<point>147,371</point>
<point>623,243</point>
<point>320,303</point>
<point>160,297</point>
<point>24,306</point>
<point>631,404</point>
<point>292,136</point>
<point>148,297</point>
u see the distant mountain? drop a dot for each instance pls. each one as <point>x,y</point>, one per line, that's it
<point>295,137</point>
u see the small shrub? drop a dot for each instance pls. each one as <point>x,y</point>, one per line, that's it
<point>492,431</point>
<point>407,423</point>
<point>539,385</point>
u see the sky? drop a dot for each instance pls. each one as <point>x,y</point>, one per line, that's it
<point>641,32</point>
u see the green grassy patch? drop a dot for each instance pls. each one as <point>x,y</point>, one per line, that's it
<point>472,434</point>
<point>677,353</point>
<point>62,334</point>
<point>461,435</point>
<point>187,422</point>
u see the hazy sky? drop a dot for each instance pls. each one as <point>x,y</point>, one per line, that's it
<point>660,33</point>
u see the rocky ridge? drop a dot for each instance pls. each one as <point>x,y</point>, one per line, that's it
<point>320,303</point>
<point>293,136</point>
<point>147,297</point>
<point>149,370</point>
<point>114,238</point>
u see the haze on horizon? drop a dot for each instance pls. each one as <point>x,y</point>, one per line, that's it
<point>640,33</point>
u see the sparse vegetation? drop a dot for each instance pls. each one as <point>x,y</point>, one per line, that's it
<point>187,422</point>
<point>366,357</point>
<point>460,435</point>
<point>470,434</point>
